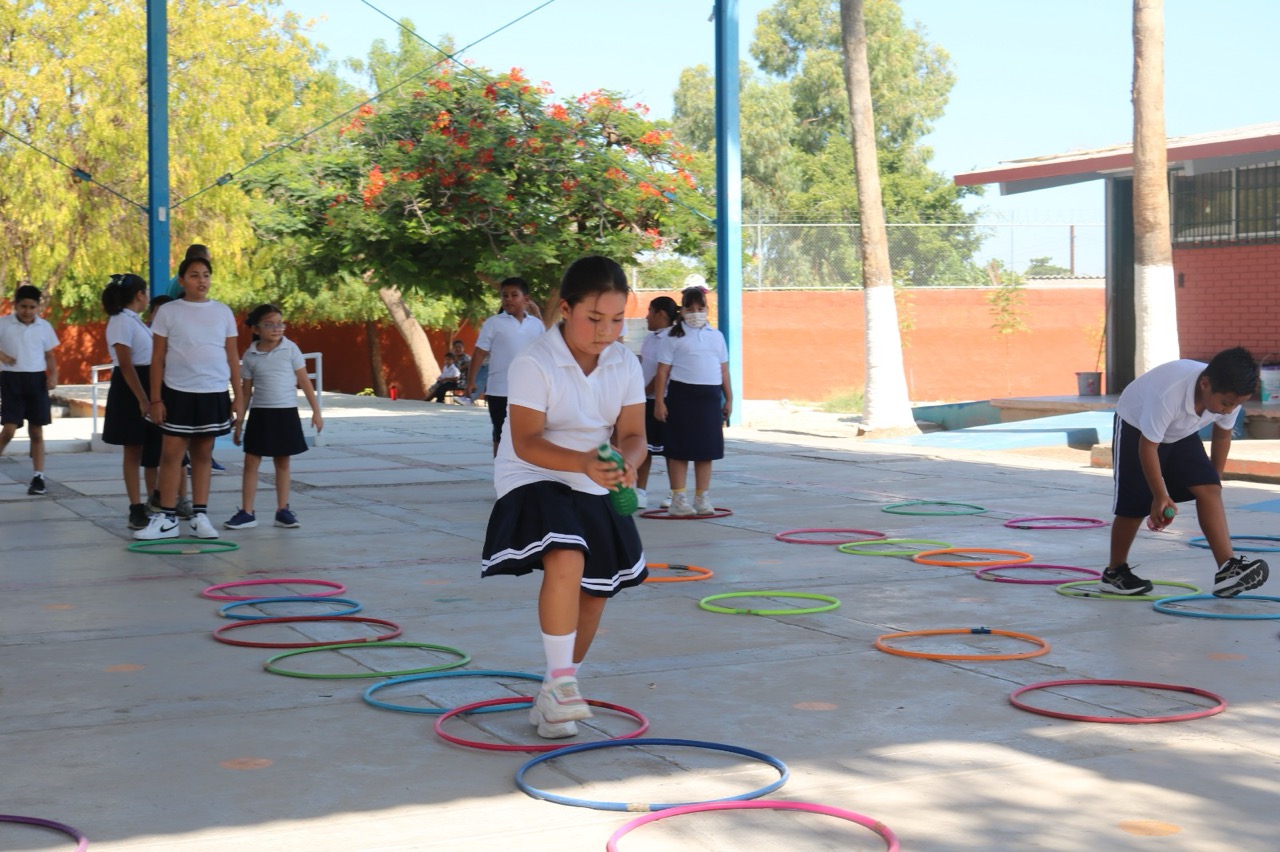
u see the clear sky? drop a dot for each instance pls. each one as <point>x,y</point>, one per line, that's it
<point>1033,77</point>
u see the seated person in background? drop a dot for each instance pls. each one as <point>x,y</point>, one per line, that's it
<point>460,357</point>
<point>449,379</point>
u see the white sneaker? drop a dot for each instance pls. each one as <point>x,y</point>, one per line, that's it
<point>642,499</point>
<point>551,730</point>
<point>200,526</point>
<point>160,526</point>
<point>666,501</point>
<point>680,507</point>
<point>559,701</point>
<point>702,505</point>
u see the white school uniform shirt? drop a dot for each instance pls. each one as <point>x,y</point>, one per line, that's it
<point>650,348</point>
<point>580,410</point>
<point>128,328</point>
<point>274,374</point>
<point>504,337</point>
<point>26,343</point>
<point>197,332</point>
<point>696,357</point>
<point>1161,403</point>
<point>450,371</point>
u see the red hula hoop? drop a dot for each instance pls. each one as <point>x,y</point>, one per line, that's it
<point>1033,523</point>
<point>539,747</point>
<point>337,588</point>
<point>789,536</point>
<point>989,573</point>
<point>664,515</point>
<point>221,633</point>
<point>890,839</point>
<point>1120,720</point>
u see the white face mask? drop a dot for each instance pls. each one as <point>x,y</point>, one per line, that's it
<point>695,319</point>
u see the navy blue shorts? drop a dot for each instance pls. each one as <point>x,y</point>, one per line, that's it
<point>497,414</point>
<point>24,397</point>
<point>1183,464</point>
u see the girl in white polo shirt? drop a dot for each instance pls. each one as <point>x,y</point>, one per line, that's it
<point>693,396</point>
<point>128,401</point>
<point>570,390</point>
<point>194,359</point>
<point>272,371</point>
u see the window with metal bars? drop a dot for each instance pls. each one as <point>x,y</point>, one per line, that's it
<point>1236,205</point>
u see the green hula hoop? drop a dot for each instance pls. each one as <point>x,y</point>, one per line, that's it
<point>901,508</point>
<point>831,603</point>
<point>170,546</point>
<point>1069,590</point>
<point>463,659</point>
<point>864,548</point>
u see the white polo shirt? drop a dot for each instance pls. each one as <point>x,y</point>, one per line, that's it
<point>1161,403</point>
<point>274,374</point>
<point>26,343</point>
<point>696,357</point>
<point>197,332</point>
<point>580,410</point>
<point>504,337</point>
<point>650,348</point>
<point>127,328</point>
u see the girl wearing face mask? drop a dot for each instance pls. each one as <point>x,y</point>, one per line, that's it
<point>692,394</point>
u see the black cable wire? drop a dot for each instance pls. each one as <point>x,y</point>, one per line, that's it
<point>79,173</point>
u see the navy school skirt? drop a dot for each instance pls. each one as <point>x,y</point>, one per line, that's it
<point>274,432</point>
<point>695,422</point>
<point>124,424</point>
<point>194,415</point>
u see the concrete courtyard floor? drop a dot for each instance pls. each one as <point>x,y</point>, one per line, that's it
<point>121,716</point>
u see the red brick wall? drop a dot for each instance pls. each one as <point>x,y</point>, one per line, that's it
<point>1228,296</point>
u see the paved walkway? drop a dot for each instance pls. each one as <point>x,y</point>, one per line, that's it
<point>121,716</point>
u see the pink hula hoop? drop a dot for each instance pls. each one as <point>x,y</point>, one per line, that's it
<point>335,588</point>
<point>1120,720</point>
<point>521,701</point>
<point>789,536</point>
<point>1033,523</point>
<point>989,573</point>
<point>890,839</point>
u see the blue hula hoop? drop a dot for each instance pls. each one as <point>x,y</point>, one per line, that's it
<point>439,711</point>
<point>225,611</point>
<point>637,807</point>
<point>1199,541</point>
<point>1162,605</point>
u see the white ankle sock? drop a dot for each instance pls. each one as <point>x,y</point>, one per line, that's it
<point>559,653</point>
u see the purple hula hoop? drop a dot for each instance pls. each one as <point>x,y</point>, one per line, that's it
<point>989,574</point>
<point>73,833</point>
<point>1032,523</point>
<point>890,839</point>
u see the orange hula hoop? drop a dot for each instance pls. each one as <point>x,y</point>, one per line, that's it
<point>699,573</point>
<point>1018,557</point>
<point>977,631</point>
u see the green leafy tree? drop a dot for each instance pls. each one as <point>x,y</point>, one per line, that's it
<point>1044,266</point>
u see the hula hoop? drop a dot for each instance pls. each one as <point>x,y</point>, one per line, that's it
<point>1018,557</point>
<point>861,548</point>
<point>225,610</point>
<point>526,701</point>
<point>182,546</point>
<point>637,807</point>
<point>463,659</point>
<point>698,573</point>
<point>1120,720</point>
<point>830,603</point>
<point>989,573</point>
<point>221,633</point>
<point>979,631</point>
<point>334,588</point>
<point>1068,589</point>
<point>664,515</point>
<point>74,833</point>
<point>789,536</point>
<point>890,839</point>
<point>436,711</point>
<point>1073,523</point>
<point>1165,605</point>
<point>1199,541</point>
<point>903,508</point>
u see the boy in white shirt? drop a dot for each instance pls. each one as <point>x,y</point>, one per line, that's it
<point>502,338</point>
<point>448,379</point>
<point>28,372</point>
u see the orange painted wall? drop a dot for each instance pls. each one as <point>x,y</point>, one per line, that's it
<point>1228,296</point>
<point>800,345</point>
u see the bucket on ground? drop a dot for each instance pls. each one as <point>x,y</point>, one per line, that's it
<point>1090,384</point>
<point>1271,384</point>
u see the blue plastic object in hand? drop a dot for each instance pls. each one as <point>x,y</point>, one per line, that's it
<point>624,500</point>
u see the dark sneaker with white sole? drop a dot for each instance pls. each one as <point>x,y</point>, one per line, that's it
<point>37,487</point>
<point>1121,581</point>
<point>1239,574</point>
<point>139,518</point>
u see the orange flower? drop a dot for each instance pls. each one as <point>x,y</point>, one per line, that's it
<point>568,184</point>
<point>366,110</point>
<point>558,112</point>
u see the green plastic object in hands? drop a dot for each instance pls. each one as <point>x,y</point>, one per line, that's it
<point>1169,512</point>
<point>623,499</point>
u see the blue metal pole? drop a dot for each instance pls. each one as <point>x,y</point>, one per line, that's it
<point>158,146</point>
<point>729,194</point>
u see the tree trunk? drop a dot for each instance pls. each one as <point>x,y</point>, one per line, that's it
<point>886,405</point>
<point>411,330</point>
<point>371,332</point>
<point>1155,299</point>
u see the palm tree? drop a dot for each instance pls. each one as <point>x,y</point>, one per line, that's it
<point>886,405</point>
<point>1155,303</point>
